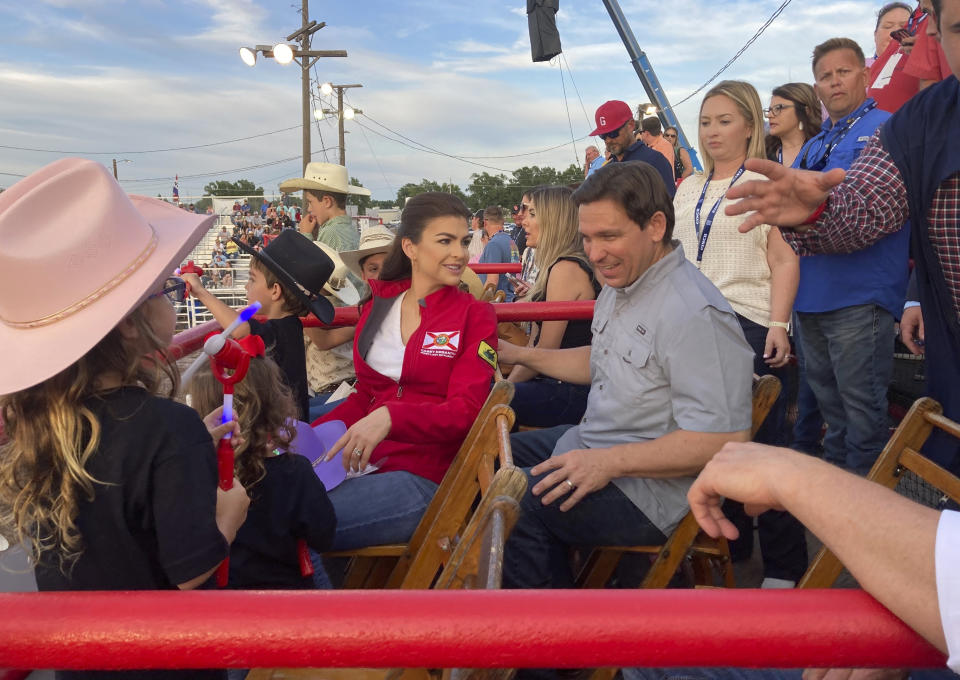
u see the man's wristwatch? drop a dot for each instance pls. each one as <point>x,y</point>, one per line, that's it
<point>781,324</point>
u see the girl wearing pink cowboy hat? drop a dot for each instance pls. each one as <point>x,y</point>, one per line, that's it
<point>111,486</point>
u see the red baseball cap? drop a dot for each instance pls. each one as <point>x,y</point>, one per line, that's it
<point>611,116</point>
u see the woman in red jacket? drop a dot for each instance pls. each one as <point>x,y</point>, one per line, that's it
<point>424,353</point>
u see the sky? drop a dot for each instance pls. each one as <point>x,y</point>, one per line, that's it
<point>113,79</point>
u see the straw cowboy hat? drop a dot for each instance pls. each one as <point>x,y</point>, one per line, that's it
<point>301,268</point>
<point>373,240</point>
<point>324,177</point>
<point>78,255</point>
<point>338,285</point>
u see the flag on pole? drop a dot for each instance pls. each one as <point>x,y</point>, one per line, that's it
<point>176,187</point>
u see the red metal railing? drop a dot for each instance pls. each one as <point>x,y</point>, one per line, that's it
<point>443,629</point>
<point>496,268</point>
<point>191,340</point>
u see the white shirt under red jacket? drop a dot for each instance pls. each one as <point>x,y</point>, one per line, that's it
<point>448,369</point>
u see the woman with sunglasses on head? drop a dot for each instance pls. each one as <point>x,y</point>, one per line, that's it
<point>794,117</point>
<point>551,223</point>
<point>757,275</point>
<point>682,164</point>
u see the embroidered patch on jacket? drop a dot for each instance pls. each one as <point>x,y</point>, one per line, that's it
<point>440,343</point>
<point>488,354</point>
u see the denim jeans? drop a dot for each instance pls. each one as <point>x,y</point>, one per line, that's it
<point>319,406</point>
<point>808,428</point>
<point>536,555</point>
<point>379,508</point>
<point>783,542</point>
<point>546,402</point>
<point>849,359</point>
<point>537,552</point>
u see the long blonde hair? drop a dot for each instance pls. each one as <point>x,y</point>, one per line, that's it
<point>52,433</point>
<point>745,96</point>
<point>264,409</point>
<point>559,224</point>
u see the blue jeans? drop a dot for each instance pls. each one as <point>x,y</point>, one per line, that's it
<point>546,402</point>
<point>536,555</point>
<point>379,508</point>
<point>808,428</point>
<point>537,552</point>
<point>319,406</point>
<point>783,542</point>
<point>849,361</point>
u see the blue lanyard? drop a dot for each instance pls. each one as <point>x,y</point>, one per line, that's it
<point>713,212</point>
<point>836,135</point>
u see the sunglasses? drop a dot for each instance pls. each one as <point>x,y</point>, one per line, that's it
<point>778,109</point>
<point>669,135</point>
<point>174,288</point>
<point>613,133</point>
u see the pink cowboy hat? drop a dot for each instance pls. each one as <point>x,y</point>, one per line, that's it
<point>76,256</point>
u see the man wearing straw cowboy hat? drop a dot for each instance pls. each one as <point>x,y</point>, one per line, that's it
<point>330,350</point>
<point>325,189</point>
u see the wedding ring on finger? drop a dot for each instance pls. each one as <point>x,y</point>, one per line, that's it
<point>570,484</point>
<point>358,452</point>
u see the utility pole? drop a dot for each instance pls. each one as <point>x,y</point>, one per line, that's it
<point>341,117</point>
<point>123,160</point>
<point>306,57</point>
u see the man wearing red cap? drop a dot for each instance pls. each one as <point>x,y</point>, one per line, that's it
<point>616,126</point>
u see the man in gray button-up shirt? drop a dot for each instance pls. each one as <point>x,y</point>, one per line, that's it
<point>670,383</point>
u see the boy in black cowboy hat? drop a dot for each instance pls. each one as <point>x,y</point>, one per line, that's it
<point>286,278</point>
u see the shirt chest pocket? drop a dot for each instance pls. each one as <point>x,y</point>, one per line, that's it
<point>634,368</point>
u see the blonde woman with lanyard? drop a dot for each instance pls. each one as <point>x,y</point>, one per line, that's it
<point>756,272</point>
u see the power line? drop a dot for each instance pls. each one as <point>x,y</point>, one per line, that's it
<point>566,105</point>
<point>177,148</point>
<point>222,172</point>
<point>374,154</point>
<point>736,56</point>
<point>424,149</point>
<point>577,90</point>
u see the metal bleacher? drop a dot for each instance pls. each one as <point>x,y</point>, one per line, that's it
<point>227,284</point>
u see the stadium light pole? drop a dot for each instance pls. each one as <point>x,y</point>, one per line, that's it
<point>342,113</point>
<point>283,53</point>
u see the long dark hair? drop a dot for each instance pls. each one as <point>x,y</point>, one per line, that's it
<point>418,211</point>
<point>807,108</point>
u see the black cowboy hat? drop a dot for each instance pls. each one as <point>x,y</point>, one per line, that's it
<point>301,267</point>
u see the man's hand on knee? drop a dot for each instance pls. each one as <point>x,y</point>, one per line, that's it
<point>573,474</point>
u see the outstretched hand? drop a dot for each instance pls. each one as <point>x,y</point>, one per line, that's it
<point>786,199</point>
<point>741,471</point>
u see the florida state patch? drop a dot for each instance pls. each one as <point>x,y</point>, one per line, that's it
<point>440,343</point>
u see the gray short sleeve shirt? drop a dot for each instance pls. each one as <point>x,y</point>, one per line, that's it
<point>668,353</point>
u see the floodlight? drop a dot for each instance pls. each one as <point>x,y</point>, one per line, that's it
<point>348,113</point>
<point>249,56</point>
<point>326,89</point>
<point>318,114</point>
<point>283,53</point>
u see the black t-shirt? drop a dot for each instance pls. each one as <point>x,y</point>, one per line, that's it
<point>284,341</point>
<point>152,521</point>
<point>288,504</point>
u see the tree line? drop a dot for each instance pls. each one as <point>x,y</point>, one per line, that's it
<point>485,189</point>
